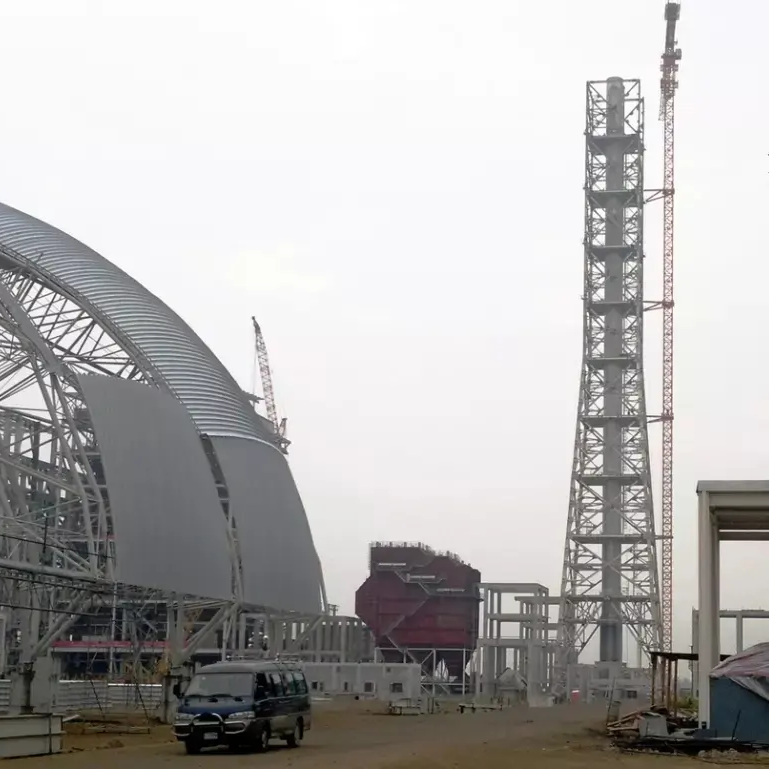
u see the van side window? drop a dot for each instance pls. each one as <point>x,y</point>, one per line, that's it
<point>288,682</point>
<point>300,682</point>
<point>262,685</point>
<point>277,684</point>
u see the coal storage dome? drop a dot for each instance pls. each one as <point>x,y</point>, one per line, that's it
<point>194,493</point>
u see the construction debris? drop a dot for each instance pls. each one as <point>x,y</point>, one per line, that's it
<point>656,731</point>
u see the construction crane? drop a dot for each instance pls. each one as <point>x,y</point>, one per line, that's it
<point>265,374</point>
<point>668,86</point>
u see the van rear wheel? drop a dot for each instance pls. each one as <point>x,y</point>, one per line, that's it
<point>294,740</point>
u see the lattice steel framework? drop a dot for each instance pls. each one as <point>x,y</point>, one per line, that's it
<point>610,579</point>
<point>668,86</point>
<point>56,532</point>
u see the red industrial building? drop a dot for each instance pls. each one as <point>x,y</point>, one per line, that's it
<point>422,606</point>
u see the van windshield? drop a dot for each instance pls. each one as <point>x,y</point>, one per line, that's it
<point>221,685</point>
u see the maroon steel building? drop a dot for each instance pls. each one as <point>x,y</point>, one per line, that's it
<point>422,606</point>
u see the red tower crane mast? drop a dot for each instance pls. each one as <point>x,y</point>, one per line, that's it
<point>268,390</point>
<point>668,86</point>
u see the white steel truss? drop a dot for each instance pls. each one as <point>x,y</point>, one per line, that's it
<point>610,579</point>
<point>57,549</point>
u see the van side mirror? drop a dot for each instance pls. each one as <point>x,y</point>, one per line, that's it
<point>261,693</point>
<point>177,690</point>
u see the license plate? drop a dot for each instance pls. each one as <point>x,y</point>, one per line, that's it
<point>211,736</point>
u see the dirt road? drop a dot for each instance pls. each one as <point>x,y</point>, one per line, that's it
<point>357,738</point>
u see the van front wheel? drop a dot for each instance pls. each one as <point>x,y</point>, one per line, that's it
<point>263,739</point>
<point>192,747</point>
<point>295,739</point>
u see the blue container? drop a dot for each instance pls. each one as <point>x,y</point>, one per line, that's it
<point>738,712</point>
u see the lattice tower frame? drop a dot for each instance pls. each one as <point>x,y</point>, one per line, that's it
<point>668,86</point>
<point>610,568</point>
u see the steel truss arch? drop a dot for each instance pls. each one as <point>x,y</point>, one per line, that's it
<point>57,547</point>
<point>76,329</point>
<point>68,317</point>
<point>84,340</point>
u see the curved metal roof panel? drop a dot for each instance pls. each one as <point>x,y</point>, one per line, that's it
<point>281,569</point>
<point>179,357</point>
<point>162,495</point>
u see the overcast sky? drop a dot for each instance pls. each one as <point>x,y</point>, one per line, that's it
<point>394,188</point>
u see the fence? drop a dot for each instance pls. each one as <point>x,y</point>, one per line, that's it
<point>71,696</point>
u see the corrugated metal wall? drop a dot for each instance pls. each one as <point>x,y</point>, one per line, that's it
<point>736,711</point>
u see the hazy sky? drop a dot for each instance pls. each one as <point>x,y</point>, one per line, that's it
<point>394,188</point>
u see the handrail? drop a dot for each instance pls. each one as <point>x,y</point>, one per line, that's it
<point>419,546</point>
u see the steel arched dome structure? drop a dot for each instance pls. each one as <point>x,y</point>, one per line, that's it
<point>129,456</point>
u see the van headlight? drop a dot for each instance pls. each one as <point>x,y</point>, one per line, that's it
<point>183,718</point>
<point>241,715</point>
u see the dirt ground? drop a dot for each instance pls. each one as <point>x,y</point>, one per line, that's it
<point>361,737</point>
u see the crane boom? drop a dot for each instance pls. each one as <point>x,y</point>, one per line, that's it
<point>265,374</point>
<point>668,86</point>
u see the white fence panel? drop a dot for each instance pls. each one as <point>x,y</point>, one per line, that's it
<point>5,693</point>
<point>133,697</point>
<point>71,696</point>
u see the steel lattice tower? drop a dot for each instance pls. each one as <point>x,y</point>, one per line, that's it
<point>668,86</point>
<point>610,578</point>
